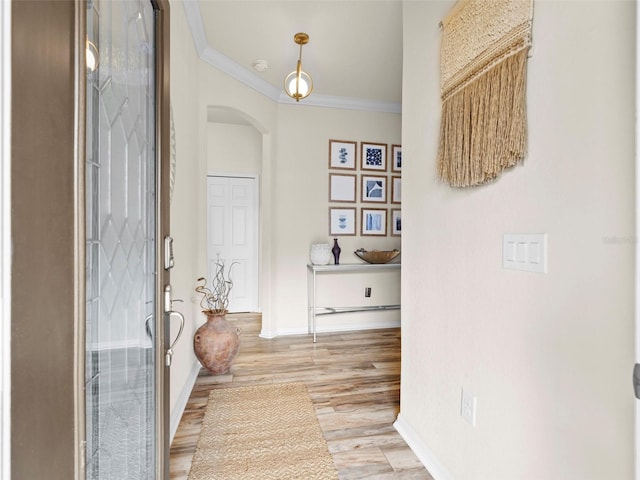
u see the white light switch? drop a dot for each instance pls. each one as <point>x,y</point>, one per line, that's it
<point>526,252</point>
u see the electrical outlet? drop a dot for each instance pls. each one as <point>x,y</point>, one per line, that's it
<point>367,292</point>
<point>468,407</point>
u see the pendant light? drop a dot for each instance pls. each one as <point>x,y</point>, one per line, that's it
<point>298,84</point>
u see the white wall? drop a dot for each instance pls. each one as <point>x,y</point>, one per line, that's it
<point>184,221</point>
<point>233,149</point>
<point>549,356</point>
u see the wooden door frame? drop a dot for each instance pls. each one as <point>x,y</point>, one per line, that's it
<point>163,146</point>
<point>5,248</point>
<point>47,255</point>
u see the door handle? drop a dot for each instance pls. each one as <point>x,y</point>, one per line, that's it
<point>147,326</point>
<point>636,380</point>
<point>169,354</point>
<point>168,310</point>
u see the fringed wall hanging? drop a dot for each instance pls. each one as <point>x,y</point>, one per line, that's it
<point>483,68</point>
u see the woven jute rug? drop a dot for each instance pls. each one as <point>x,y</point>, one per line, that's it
<point>483,72</point>
<point>261,432</point>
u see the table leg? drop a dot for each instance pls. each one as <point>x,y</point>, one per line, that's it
<point>313,312</point>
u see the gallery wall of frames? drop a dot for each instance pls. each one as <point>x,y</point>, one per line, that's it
<point>365,188</point>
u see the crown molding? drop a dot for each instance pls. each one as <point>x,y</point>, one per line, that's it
<point>238,72</point>
<point>348,103</point>
<point>245,76</point>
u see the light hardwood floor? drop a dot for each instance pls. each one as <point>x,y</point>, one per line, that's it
<point>353,379</point>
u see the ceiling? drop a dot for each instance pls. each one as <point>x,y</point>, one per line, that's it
<point>354,52</point>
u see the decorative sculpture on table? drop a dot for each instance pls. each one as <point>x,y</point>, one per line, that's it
<point>377,256</point>
<point>319,254</point>
<point>336,251</point>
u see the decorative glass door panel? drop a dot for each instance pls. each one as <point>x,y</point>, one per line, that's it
<point>121,242</point>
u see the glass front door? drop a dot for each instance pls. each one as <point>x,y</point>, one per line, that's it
<point>121,246</point>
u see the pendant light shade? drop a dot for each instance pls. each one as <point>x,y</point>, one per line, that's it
<point>299,84</point>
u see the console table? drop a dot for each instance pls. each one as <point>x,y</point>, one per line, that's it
<point>314,270</point>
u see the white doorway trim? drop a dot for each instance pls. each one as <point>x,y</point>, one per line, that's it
<point>256,226</point>
<point>5,241</point>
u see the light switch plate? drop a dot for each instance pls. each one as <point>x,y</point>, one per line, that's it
<point>527,252</point>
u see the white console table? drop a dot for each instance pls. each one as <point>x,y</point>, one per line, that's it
<point>314,270</point>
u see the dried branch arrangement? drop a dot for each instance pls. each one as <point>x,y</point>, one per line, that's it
<point>216,298</point>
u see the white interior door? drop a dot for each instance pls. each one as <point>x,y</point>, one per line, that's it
<point>232,236</point>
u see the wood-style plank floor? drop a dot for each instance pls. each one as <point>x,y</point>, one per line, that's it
<point>353,379</point>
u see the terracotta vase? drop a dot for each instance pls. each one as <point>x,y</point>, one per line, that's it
<point>216,343</point>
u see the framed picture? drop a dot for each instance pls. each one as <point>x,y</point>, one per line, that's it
<point>396,222</point>
<point>374,189</point>
<point>374,221</point>
<point>396,158</point>
<point>374,156</point>
<point>396,189</point>
<point>342,187</point>
<point>342,154</point>
<point>342,221</point>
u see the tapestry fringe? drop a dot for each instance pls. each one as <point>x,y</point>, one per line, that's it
<point>483,128</point>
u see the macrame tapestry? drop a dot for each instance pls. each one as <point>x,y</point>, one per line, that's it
<point>483,72</point>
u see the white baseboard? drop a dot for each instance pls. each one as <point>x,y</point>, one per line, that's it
<point>267,334</point>
<point>335,328</point>
<point>437,470</point>
<point>183,398</point>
